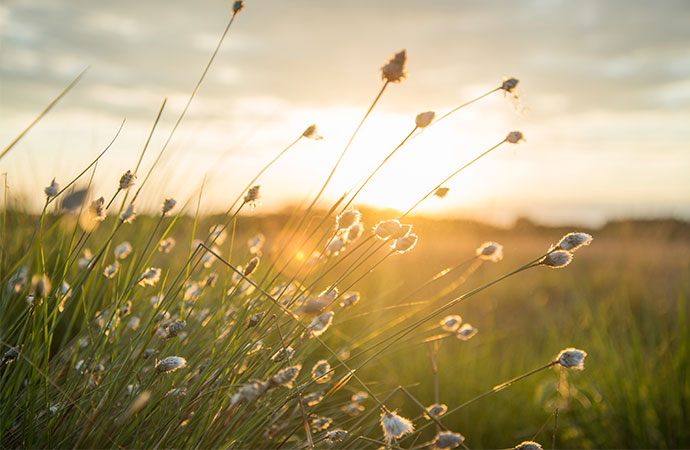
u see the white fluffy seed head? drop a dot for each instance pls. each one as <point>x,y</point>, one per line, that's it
<point>150,276</point>
<point>320,324</point>
<point>251,266</point>
<point>447,440</point>
<point>256,243</point>
<point>441,192</point>
<point>385,229</point>
<point>97,210</point>
<point>167,245</point>
<point>350,299</point>
<point>321,372</point>
<point>237,6</point>
<point>123,250</point>
<point>347,218</point>
<point>515,137</point>
<point>335,246</point>
<point>111,270</point>
<point>321,423</point>
<point>572,358</point>
<point>311,133</point>
<point>436,410</point>
<point>128,214</point>
<point>286,376</point>
<point>395,426</point>
<point>170,364</point>
<point>466,332</point>
<point>174,328</point>
<point>40,285</point>
<point>252,195</point>
<point>355,232</point>
<point>573,241</point>
<point>557,259</point>
<point>127,180</point>
<point>424,119</point>
<point>168,205</point>
<point>451,323</point>
<point>336,435</point>
<point>490,251</point>
<point>528,445</point>
<point>52,190</point>
<point>405,243</point>
<point>509,84</point>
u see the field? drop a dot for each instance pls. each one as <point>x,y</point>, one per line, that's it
<point>623,300</point>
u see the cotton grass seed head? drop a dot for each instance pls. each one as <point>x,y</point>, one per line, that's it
<point>335,246</point>
<point>251,266</point>
<point>166,245</point>
<point>286,376</point>
<point>451,323</point>
<point>395,426</point>
<point>490,251</point>
<point>349,299</point>
<point>320,324</point>
<point>321,423</point>
<point>168,205</point>
<point>321,372</point>
<point>123,250</point>
<point>515,137</point>
<point>436,410</point>
<point>424,119</point>
<point>170,364</point>
<point>466,332</point>
<point>150,276</point>
<point>572,358</point>
<point>336,435</point>
<point>174,328</point>
<point>359,397</point>
<point>52,190</point>
<point>447,440</point>
<point>355,232</point>
<point>252,196</point>
<point>509,84</point>
<point>127,180</point>
<point>353,409</point>
<point>386,228</point>
<point>111,270</point>
<point>347,218</point>
<point>312,399</point>
<point>573,241</point>
<point>217,234</point>
<point>283,354</point>
<point>97,210</point>
<point>237,6</point>
<point>311,133</point>
<point>40,285</point>
<point>394,70</point>
<point>557,259</point>
<point>405,243</point>
<point>528,445</point>
<point>441,192</point>
<point>128,214</point>
<point>256,243</point>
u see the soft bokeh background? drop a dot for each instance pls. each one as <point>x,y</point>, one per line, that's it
<point>605,87</point>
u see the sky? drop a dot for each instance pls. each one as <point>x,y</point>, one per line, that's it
<point>604,102</point>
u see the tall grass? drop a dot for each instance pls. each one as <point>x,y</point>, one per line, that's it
<point>224,340</point>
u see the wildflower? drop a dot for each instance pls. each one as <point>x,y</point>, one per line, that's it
<point>123,250</point>
<point>573,241</point>
<point>394,70</point>
<point>128,214</point>
<point>283,354</point>
<point>528,445</point>
<point>256,243</point>
<point>347,218</point>
<point>174,328</point>
<point>217,234</point>
<point>572,358</point>
<point>166,245</point>
<point>349,299</point>
<point>510,84</point>
<point>385,229</point>
<point>447,439</point>
<point>97,210</point>
<point>127,180</point>
<point>150,276</point>
<point>251,266</point>
<point>40,285</point>
<point>466,332</point>
<point>321,423</point>
<point>441,192</point>
<point>394,426</point>
<point>353,409</point>
<point>557,259</point>
<point>451,323</point>
<point>252,196</point>
<point>359,397</point>
<point>321,372</point>
<point>311,133</point>
<point>312,399</point>
<point>286,376</point>
<point>170,364</point>
<point>320,324</point>
<point>111,270</point>
<point>490,251</point>
<point>436,410</point>
<point>424,119</point>
<point>84,261</point>
<point>405,243</point>
<point>354,232</point>
<point>335,246</point>
<point>336,435</point>
<point>52,190</point>
<point>168,205</point>
<point>515,137</point>
<point>237,6</point>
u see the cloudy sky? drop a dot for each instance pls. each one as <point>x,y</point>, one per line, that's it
<point>604,101</point>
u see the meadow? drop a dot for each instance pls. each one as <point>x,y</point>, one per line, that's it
<point>333,326</point>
